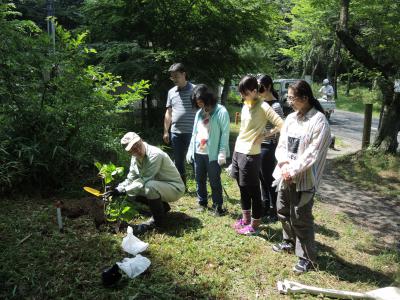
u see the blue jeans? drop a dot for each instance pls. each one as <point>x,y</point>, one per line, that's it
<point>180,144</point>
<point>202,166</point>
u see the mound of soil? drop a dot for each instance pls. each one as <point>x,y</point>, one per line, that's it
<point>92,206</point>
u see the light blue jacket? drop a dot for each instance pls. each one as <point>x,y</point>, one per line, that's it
<point>218,140</point>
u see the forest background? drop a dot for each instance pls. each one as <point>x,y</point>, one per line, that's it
<point>75,75</point>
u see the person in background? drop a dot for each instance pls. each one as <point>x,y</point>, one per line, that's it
<point>209,146</point>
<point>301,155</point>
<point>268,146</point>
<point>179,116</point>
<point>246,157</point>
<point>326,90</point>
<point>152,180</point>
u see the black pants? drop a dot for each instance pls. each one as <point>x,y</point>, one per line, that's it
<point>246,168</point>
<point>268,163</point>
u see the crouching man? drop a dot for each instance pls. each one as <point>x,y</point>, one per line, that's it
<point>152,180</point>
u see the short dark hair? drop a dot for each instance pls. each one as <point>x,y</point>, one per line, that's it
<point>301,88</point>
<point>248,83</point>
<point>177,67</point>
<point>201,91</point>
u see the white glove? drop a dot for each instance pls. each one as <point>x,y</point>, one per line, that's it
<point>221,158</point>
<point>134,187</point>
<point>189,158</point>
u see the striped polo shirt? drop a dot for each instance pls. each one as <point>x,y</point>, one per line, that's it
<point>278,109</point>
<point>182,111</point>
<point>304,143</point>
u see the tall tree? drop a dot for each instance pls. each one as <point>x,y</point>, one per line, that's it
<point>373,41</point>
<point>206,35</point>
<point>311,34</point>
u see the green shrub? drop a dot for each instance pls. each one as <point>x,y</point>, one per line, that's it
<point>57,114</point>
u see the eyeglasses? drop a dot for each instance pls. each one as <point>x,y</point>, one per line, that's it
<point>175,76</point>
<point>292,98</point>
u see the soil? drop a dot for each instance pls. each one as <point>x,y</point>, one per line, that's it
<point>378,214</point>
<point>74,208</point>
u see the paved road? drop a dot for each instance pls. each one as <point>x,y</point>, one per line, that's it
<point>349,127</point>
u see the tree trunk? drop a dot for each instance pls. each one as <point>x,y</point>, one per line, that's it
<point>307,63</point>
<point>343,25</point>
<point>150,111</point>
<point>143,114</point>
<point>344,14</point>
<point>348,83</point>
<point>225,90</point>
<point>386,138</point>
<point>336,63</point>
<point>314,69</point>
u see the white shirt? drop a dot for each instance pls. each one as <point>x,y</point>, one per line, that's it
<point>327,90</point>
<point>304,143</point>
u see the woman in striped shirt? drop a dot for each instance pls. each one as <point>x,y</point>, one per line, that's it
<point>301,155</point>
<point>268,146</point>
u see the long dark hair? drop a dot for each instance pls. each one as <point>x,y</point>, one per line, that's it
<point>266,81</point>
<point>248,83</point>
<point>302,89</point>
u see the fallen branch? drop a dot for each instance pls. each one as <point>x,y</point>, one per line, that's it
<point>24,239</point>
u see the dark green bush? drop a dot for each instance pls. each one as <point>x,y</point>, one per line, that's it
<point>56,113</point>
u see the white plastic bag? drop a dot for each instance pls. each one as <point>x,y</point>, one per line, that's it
<point>132,244</point>
<point>134,266</point>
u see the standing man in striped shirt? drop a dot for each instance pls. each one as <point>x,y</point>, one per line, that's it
<point>179,116</point>
<point>301,155</point>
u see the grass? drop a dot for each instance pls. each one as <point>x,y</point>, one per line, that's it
<point>371,170</point>
<point>197,256</point>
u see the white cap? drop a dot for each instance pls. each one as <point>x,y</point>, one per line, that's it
<point>130,139</point>
<point>326,81</point>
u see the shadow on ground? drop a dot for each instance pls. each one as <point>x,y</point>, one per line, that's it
<point>379,214</point>
<point>179,223</point>
<point>329,261</point>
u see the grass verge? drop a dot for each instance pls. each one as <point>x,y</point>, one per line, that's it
<point>371,170</point>
<point>197,256</point>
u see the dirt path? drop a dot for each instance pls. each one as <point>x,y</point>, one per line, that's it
<point>368,209</point>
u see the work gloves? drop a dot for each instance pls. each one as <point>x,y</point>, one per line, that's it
<point>189,157</point>
<point>113,192</point>
<point>221,158</point>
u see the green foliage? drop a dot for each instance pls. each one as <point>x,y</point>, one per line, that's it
<point>234,99</point>
<point>108,172</point>
<point>141,38</point>
<point>56,112</point>
<point>138,91</point>
<point>119,209</point>
<point>311,34</point>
